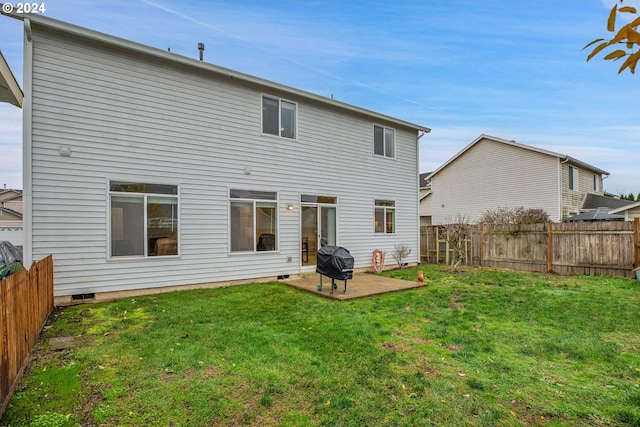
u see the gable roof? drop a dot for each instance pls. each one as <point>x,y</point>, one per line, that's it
<point>625,208</point>
<point>140,49</point>
<point>11,212</point>
<point>9,89</point>
<point>8,194</point>
<point>424,182</point>
<point>562,157</point>
<point>595,201</point>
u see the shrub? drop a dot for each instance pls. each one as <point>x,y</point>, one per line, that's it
<point>517,215</point>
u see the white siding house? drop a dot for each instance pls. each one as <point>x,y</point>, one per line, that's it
<point>495,173</point>
<point>11,228</point>
<point>630,212</point>
<point>145,169</point>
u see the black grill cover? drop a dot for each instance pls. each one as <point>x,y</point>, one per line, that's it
<point>335,262</point>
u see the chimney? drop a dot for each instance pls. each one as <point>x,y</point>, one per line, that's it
<point>201,49</point>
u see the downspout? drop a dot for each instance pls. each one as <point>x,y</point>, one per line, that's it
<point>562,162</point>
<point>27,133</point>
<point>421,133</point>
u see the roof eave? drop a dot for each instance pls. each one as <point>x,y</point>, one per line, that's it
<point>165,55</point>
<point>9,88</point>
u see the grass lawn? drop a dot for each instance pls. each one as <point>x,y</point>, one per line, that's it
<point>481,348</point>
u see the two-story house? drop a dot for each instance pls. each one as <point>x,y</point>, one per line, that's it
<point>146,169</point>
<point>492,172</point>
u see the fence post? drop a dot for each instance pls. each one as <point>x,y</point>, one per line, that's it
<point>549,247</point>
<point>636,242</point>
<point>481,229</point>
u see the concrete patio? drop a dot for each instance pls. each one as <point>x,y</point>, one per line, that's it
<point>362,285</point>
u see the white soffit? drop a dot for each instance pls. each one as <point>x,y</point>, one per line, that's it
<point>9,89</point>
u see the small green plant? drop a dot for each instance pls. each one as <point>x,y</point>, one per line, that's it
<point>50,419</point>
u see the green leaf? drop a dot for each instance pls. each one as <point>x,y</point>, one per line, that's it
<point>616,54</point>
<point>611,22</point>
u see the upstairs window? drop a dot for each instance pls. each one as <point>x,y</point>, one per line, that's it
<point>279,117</point>
<point>254,220</point>
<point>384,143</point>
<point>385,216</point>
<point>573,178</point>
<point>144,219</point>
<point>596,183</point>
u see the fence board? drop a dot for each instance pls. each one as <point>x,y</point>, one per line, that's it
<point>590,248</point>
<point>26,299</point>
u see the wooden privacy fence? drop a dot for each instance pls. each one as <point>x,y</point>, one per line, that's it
<point>576,248</point>
<point>26,299</point>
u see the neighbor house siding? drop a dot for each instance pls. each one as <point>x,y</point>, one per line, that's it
<point>490,175</point>
<point>632,214</point>
<point>135,118</point>
<point>572,199</point>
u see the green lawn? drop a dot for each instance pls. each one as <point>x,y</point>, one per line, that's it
<point>479,348</point>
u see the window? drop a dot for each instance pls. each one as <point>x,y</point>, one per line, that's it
<point>278,117</point>
<point>254,220</point>
<point>596,183</point>
<point>384,141</point>
<point>385,216</point>
<point>144,219</point>
<point>573,178</point>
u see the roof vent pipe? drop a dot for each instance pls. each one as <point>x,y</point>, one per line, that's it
<point>201,49</point>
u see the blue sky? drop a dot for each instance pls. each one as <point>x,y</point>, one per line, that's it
<point>514,69</point>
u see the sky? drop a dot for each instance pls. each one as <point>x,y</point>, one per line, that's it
<point>514,69</point>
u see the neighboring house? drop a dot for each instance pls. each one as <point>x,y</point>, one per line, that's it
<point>11,228</point>
<point>629,212</point>
<point>425,190</point>
<point>146,169</point>
<point>491,172</point>
<point>597,207</point>
<point>599,214</point>
<point>11,204</point>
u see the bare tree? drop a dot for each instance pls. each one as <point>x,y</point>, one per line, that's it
<point>456,232</point>
<point>400,252</point>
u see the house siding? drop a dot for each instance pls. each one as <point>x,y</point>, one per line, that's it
<point>572,199</point>
<point>632,214</point>
<point>135,118</point>
<point>490,175</point>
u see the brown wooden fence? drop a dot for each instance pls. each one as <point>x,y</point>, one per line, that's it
<point>589,248</point>
<point>26,299</point>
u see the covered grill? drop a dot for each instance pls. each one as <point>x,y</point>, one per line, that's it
<point>335,262</point>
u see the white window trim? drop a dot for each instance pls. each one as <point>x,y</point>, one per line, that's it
<point>384,142</point>
<point>266,95</point>
<point>145,255</point>
<point>395,217</point>
<point>575,178</point>
<point>276,201</point>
